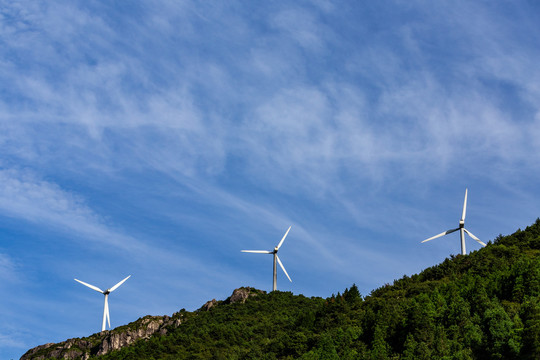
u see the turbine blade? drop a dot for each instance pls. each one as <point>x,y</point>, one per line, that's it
<point>474,237</point>
<point>258,251</point>
<point>104,322</point>
<point>283,267</point>
<point>107,312</point>
<point>441,234</point>
<point>284,236</point>
<point>90,286</point>
<point>117,285</point>
<point>464,207</point>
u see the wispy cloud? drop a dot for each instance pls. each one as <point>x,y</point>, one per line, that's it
<point>8,269</point>
<point>9,340</point>
<point>303,27</point>
<point>28,198</point>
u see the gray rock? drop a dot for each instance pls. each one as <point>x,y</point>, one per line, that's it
<point>242,294</point>
<point>209,304</point>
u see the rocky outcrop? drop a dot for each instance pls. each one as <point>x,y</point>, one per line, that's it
<point>107,341</point>
<point>117,340</point>
<point>209,304</point>
<point>240,295</point>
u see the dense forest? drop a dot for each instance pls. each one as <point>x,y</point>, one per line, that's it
<point>484,305</point>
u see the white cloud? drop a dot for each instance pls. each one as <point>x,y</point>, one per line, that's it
<point>25,197</point>
<point>302,26</point>
<point>308,131</point>
<point>9,340</point>
<point>8,269</point>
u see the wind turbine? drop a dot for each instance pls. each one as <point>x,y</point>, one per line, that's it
<point>276,258</point>
<point>461,229</point>
<point>106,293</point>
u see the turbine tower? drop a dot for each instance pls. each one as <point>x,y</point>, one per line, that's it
<point>106,293</point>
<point>276,259</point>
<point>461,229</point>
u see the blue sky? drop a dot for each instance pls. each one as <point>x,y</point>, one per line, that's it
<point>159,139</point>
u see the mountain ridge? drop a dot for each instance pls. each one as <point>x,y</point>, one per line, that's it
<point>484,305</point>
<point>103,342</point>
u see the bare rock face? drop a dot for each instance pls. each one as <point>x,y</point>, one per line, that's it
<point>110,340</point>
<point>209,304</point>
<point>105,341</point>
<point>117,340</point>
<point>242,294</point>
<point>38,349</point>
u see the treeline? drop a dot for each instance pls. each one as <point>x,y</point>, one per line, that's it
<point>481,306</point>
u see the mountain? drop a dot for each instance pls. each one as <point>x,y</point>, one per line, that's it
<point>484,305</point>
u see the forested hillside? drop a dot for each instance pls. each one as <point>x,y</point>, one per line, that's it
<point>484,305</point>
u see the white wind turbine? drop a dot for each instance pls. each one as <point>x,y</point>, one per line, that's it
<point>461,229</point>
<point>106,293</point>
<point>276,258</point>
